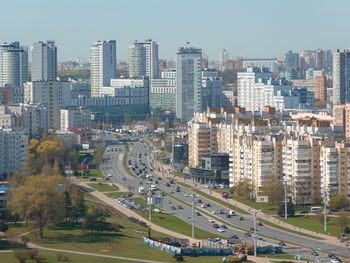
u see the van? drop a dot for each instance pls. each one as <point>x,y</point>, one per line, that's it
<point>314,209</point>
<point>141,189</point>
<point>232,213</point>
<point>153,187</point>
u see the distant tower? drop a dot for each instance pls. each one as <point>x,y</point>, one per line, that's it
<point>341,77</point>
<point>44,61</point>
<point>223,56</point>
<point>103,65</point>
<point>13,64</point>
<point>143,59</point>
<point>188,82</point>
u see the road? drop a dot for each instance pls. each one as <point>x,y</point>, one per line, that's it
<point>112,164</point>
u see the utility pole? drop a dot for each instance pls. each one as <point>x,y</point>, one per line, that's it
<point>255,212</point>
<point>284,180</point>
<point>325,193</point>
<point>150,203</point>
<point>193,208</point>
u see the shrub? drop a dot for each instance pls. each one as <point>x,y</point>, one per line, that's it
<point>21,256</point>
<point>3,226</point>
<point>59,257</point>
<point>178,258</point>
<point>347,230</point>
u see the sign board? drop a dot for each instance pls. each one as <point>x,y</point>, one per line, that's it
<point>262,199</point>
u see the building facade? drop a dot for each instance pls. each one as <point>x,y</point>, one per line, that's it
<point>341,77</point>
<point>70,118</point>
<point>188,82</point>
<point>103,65</point>
<point>163,92</point>
<point>44,61</point>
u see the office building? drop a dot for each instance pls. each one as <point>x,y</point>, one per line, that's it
<point>80,88</point>
<point>163,92</point>
<point>223,56</point>
<point>341,77</point>
<point>257,89</point>
<point>321,88</point>
<point>70,118</point>
<point>143,59</point>
<point>13,64</point>
<point>44,61</point>
<point>211,89</point>
<point>103,65</point>
<point>270,63</point>
<point>291,60</point>
<point>53,94</point>
<point>188,82</point>
<point>13,149</point>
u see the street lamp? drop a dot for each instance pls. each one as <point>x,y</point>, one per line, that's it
<point>325,200</point>
<point>284,181</point>
<point>193,209</point>
<point>254,212</point>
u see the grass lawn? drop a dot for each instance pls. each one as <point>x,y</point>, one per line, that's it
<point>92,173</point>
<point>101,187</point>
<point>312,223</point>
<point>277,256</point>
<point>51,257</point>
<point>18,229</point>
<point>127,243</point>
<point>117,194</point>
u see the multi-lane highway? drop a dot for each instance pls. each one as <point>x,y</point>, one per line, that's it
<point>139,156</point>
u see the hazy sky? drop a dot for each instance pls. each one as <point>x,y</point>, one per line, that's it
<point>249,28</point>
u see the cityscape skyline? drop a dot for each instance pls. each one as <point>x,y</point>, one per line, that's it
<point>282,32</point>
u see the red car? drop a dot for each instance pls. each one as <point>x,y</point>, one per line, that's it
<point>216,226</point>
<point>199,201</point>
<point>252,228</point>
<point>259,223</point>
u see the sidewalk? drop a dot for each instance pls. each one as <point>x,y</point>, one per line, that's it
<point>269,218</point>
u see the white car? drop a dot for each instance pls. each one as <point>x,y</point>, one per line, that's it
<point>221,230</point>
<point>211,220</point>
<point>186,195</point>
<point>156,210</point>
<point>203,206</point>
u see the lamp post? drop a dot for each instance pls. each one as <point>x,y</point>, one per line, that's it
<point>254,212</point>
<point>193,209</point>
<point>285,180</point>
<point>325,200</point>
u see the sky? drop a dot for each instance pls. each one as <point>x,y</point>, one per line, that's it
<point>245,28</point>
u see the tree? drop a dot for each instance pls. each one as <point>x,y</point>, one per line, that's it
<point>99,149</point>
<point>68,205</point>
<point>274,189</point>
<point>79,209</point>
<point>242,188</point>
<point>38,200</point>
<point>96,221</point>
<point>338,202</point>
<point>290,209</point>
<point>342,220</point>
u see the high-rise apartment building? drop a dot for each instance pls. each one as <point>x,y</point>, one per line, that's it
<point>103,65</point>
<point>44,61</point>
<point>13,64</point>
<point>53,94</point>
<point>163,92</point>
<point>70,118</point>
<point>188,82</point>
<point>291,59</point>
<point>13,149</point>
<point>321,88</point>
<point>143,59</point>
<point>341,77</point>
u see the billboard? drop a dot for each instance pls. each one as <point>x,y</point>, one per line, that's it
<point>262,199</point>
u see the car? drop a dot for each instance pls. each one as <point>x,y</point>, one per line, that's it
<point>167,184</point>
<point>331,255</point>
<point>159,178</point>
<point>203,206</point>
<point>281,243</point>
<point>213,212</point>
<point>173,207</point>
<point>162,193</point>
<point>304,212</point>
<point>198,214</point>
<point>247,234</point>
<point>199,201</point>
<point>334,260</point>
<point>211,220</point>
<point>252,228</point>
<point>156,210</point>
<point>259,223</point>
<point>224,226</point>
<point>186,195</point>
<point>169,201</point>
<point>216,226</point>
<point>221,230</point>
<point>241,218</point>
<point>208,205</point>
<point>260,238</point>
<point>92,180</point>
<point>156,182</point>
<point>228,216</point>
<point>314,253</point>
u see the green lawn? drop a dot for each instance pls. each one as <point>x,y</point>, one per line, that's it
<point>127,243</point>
<point>18,229</point>
<point>92,173</point>
<point>312,223</point>
<point>278,256</point>
<point>117,194</point>
<point>101,187</point>
<point>51,257</point>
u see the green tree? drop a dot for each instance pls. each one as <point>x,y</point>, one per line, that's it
<point>338,202</point>
<point>96,221</point>
<point>79,209</point>
<point>38,200</point>
<point>274,189</point>
<point>68,205</point>
<point>99,150</point>
<point>3,226</point>
<point>290,209</point>
<point>342,220</point>
<point>242,188</point>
